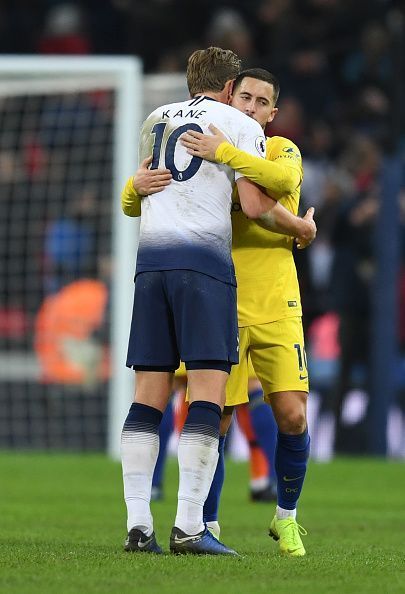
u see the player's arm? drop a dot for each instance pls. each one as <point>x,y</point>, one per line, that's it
<point>273,216</point>
<point>130,200</point>
<point>144,183</point>
<point>276,178</point>
<point>278,219</point>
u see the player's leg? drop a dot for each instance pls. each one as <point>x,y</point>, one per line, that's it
<point>199,445</point>
<point>292,445</point>
<point>139,452</point>
<point>236,393</point>
<point>152,353</point>
<point>171,417</point>
<point>173,421</point>
<point>258,464</point>
<point>211,505</point>
<point>292,454</point>
<point>165,431</point>
<point>259,472</point>
<point>181,402</point>
<point>198,454</point>
<point>265,430</point>
<point>206,327</point>
<point>281,368</point>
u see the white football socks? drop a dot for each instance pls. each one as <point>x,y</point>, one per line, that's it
<point>198,457</point>
<point>139,452</point>
<point>283,514</point>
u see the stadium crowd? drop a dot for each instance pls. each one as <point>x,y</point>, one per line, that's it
<point>337,64</point>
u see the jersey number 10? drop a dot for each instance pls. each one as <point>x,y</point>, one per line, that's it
<point>195,163</point>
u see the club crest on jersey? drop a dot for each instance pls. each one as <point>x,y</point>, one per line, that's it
<point>260,146</point>
<point>291,151</point>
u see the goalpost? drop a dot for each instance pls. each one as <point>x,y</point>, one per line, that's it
<point>68,139</point>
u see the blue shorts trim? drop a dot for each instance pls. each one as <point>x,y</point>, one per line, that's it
<point>220,365</point>
<point>182,314</point>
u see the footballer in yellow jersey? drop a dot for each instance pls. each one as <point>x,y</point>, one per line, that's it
<point>269,307</point>
<point>269,304</point>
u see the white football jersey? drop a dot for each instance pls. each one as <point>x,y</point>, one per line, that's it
<point>188,224</point>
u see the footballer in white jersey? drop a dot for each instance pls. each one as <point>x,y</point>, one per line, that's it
<point>185,302</point>
<point>188,226</point>
<point>185,286</point>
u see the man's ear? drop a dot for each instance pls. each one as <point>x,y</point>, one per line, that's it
<point>272,115</point>
<point>228,88</point>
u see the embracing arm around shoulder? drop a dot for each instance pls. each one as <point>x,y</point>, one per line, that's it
<point>273,216</point>
<point>278,178</point>
<point>275,177</point>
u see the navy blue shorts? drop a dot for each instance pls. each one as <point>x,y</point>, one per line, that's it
<point>182,314</point>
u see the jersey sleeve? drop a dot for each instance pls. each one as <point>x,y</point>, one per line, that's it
<point>146,138</point>
<point>130,200</point>
<point>252,142</point>
<point>279,176</point>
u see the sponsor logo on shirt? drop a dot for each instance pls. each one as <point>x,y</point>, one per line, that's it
<point>291,152</point>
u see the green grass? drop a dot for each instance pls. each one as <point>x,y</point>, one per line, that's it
<point>62,524</point>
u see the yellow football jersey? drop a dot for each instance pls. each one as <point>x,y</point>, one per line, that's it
<point>268,288</point>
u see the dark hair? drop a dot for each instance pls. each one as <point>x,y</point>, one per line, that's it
<point>210,69</point>
<point>259,74</point>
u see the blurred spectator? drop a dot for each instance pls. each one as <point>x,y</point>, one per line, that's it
<point>354,268</point>
<point>64,31</point>
<point>370,62</point>
<point>318,149</point>
<point>67,344</point>
<point>228,29</point>
<point>336,190</point>
<point>70,243</point>
<point>290,120</point>
<point>160,27</point>
<point>276,25</point>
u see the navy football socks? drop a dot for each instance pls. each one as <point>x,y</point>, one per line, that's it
<point>265,427</point>
<point>165,431</point>
<point>292,454</point>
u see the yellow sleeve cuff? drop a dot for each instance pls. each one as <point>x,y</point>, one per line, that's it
<point>130,200</point>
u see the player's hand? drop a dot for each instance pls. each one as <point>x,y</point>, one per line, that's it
<point>203,145</point>
<point>308,233</point>
<point>150,181</point>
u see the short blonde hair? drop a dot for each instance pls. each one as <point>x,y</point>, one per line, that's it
<point>210,69</point>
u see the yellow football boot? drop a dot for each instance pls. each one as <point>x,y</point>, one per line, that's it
<point>289,533</point>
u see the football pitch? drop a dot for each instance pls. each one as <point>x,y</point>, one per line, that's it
<point>62,525</point>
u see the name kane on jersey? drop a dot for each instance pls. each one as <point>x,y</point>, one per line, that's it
<point>196,114</point>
